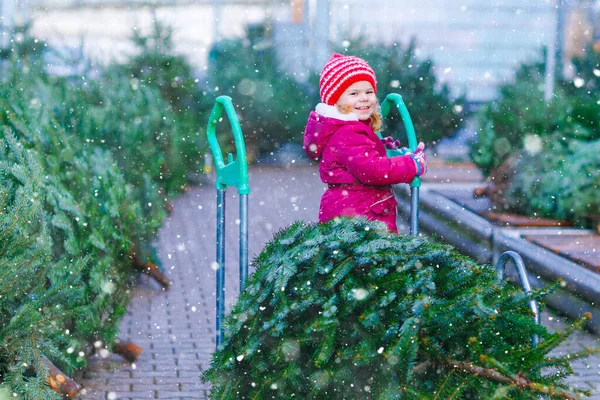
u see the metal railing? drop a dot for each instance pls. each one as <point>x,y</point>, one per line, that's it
<point>522,272</point>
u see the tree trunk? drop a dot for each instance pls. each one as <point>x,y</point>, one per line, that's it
<point>60,382</point>
<point>151,270</point>
<point>128,351</point>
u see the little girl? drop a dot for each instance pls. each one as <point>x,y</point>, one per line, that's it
<point>353,161</point>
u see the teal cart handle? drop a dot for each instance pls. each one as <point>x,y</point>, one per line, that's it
<point>386,106</point>
<point>234,173</point>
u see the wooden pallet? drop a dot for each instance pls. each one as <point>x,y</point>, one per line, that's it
<point>508,219</point>
<point>582,249</point>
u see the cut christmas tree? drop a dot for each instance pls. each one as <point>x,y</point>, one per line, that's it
<point>346,310</point>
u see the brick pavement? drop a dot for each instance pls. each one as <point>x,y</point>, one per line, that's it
<point>176,327</point>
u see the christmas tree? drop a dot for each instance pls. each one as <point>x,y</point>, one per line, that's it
<point>92,215</point>
<point>75,222</point>
<point>347,310</point>
<point>37,294</point>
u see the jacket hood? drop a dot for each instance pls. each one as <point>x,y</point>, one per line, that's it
<point>322,123</point>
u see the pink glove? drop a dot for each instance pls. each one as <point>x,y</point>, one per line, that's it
<point>390,143</point>
<point>420,159</point>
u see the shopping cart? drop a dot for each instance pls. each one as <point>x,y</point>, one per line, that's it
<point>235,173</point>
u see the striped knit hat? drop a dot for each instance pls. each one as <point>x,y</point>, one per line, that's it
<point>341,72</point>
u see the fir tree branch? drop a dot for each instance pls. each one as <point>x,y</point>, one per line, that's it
<point>581,354</point>
<point>461,387</point>
<point>441,388</point>
<point>518,380</point>
<point>9,229</point>
<point>15,282</point>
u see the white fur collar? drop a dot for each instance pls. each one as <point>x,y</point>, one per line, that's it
<point>328,111</point>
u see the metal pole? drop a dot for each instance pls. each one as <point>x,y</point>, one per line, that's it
<point>8,11</point>
<point>320,29</point>
<point>522,272</point>
<point>243,240</point>
<point>306,60</point>
<point>554,52</point>
<point>25,11</point>
<point>216,17</point>
<point>560,36</point>
<point>594,20</point>
<point>414,210</point>
<point>550,69</point>
<point>220,262</point>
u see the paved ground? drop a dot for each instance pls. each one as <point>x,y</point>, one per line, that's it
<point>176,327</point>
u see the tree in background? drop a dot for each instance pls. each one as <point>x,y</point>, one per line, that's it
<point>38,296</point>
<point>156,66</point>
<point>434,112</point>
<point>84,209</point>
<point>271,105</point>
<point>537,154</point>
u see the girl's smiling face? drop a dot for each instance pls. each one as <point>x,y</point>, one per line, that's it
<point>359,99</point>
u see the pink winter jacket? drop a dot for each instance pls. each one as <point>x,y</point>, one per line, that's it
<point>354,165</point>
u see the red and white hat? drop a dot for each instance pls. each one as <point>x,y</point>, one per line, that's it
<point>339,73</point>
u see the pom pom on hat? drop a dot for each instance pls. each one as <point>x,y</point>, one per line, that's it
<point>341,72</point>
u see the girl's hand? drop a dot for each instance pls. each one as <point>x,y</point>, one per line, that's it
<point>420,159</point>
<point>390,143</point>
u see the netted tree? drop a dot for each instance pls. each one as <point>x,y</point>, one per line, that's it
<point>346,309</point>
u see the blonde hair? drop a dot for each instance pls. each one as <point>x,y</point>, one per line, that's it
<point>376,117</point>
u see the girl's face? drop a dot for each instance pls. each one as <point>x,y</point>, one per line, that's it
<point>359,99</point>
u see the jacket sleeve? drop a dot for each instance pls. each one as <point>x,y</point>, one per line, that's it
<point>357,152</point>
